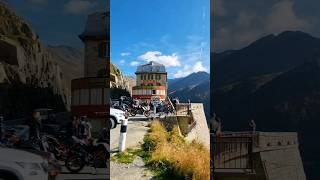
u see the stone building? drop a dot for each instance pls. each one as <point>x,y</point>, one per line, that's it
<point>151,80</point>
<point>89,94</point>
<point>96,45</point>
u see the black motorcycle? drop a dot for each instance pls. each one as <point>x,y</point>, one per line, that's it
<point>134,110</point>
<point>94,154</point>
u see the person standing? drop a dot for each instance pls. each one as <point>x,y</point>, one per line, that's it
<point>1,127</point>
<point>252,124</point>
<point>88,129</point>
<point>35,125</point>
<point>75,126</point>
<point>81,128</point>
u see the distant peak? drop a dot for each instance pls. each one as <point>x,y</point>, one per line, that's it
<point>200,72</point>
<point>293,33</point>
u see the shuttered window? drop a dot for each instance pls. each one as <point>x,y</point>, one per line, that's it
<point>84,96</point>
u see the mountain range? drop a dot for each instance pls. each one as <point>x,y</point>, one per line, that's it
<point>275,81</point>
<point>195,87</point>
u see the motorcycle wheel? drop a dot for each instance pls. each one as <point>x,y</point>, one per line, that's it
<point>146,113</point>
<point>133,113</point>
<point>101,158</point>
<point>74,163</point>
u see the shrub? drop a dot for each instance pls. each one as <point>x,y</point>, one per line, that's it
<point>169,153</point>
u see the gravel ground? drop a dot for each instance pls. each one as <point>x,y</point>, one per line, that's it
<point>136,170</point>
<point>135,133</point>
<point>133,171</point>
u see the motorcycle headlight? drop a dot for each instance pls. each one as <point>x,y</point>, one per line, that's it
<point>31,166</point>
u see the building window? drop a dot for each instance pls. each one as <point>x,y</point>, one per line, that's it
<point>84,96</point>
<point>96,96</point>
<point>75,97</point>
<point>154,91</point>
<point>103,50</point>
<point>145,92</point>
<point>102,73</point>
<point>106,97</point>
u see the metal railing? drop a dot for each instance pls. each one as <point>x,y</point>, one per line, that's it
<point>233,152</point>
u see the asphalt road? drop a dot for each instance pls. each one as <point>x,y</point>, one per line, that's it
<point>85,174</point>
<point>135,132</point>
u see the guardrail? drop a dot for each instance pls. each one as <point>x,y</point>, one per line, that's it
<point>233,152</point>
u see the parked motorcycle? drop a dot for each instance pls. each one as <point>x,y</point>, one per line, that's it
<point>134,110</point>
<point>60,150</point>
<point>95,154</point>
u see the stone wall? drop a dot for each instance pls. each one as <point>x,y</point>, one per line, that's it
<point>93,63</point>
<point>201,131</point>
<point>283,164</point>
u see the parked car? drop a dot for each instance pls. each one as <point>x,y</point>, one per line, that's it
<point>46,115</point>
<point>21,165</point>
<point>116,116</point>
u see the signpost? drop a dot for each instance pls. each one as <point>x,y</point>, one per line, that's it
<point>155,100</point>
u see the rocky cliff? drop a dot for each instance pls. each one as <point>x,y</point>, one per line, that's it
<point>28,66</point>
<point>119,81</point>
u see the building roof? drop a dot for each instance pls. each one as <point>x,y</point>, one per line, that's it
<point>151,67</point>
<point>97,25</point>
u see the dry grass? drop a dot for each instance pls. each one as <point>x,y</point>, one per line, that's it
<point>169,151</point>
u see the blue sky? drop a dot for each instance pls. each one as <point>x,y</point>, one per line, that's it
<point>57,22</point>
<point>175,33</point>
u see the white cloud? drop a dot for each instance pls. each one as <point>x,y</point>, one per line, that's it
<point>134,63</point>
<point>78,6</point>
<point>125,54</point>
<point>122,61</point>
<point>167,60</point>
<point>283,17</point>
<point>249,25</point>
<point>187,69</point>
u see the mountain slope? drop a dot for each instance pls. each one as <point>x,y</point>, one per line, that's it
<point>270,54</point>
<point>69,59</point>
<point>195,87</point>
<point>189,81</point>
<point>283,95</point>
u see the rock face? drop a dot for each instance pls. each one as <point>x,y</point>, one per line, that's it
<point>119,81</point>
<point>26,63</point>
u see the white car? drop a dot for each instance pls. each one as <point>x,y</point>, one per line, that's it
<point>21,165</point>
<point>116,116</point>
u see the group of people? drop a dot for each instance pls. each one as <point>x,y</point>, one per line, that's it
<point>217,125</point>
<point>81,127</point>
